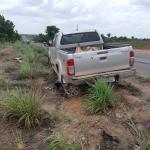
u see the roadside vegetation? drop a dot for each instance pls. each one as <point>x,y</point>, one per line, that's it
<point>143,79</point>
<point>34,113</point>
<point>131,88</point>
<point>32,61</point>
<point>142,140</point>
<point>49,35</point>
<point>7,83</point>
<point>135,42</point>
<point>59,142</point>
<point>9,66</point>
<point>100,97</point>
<point>22,105</point>
<point>7,32</point>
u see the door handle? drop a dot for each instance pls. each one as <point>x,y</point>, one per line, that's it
<point>103,58</point>
<point>102,52</point>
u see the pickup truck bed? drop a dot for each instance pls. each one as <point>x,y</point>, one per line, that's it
<point>108,60</point>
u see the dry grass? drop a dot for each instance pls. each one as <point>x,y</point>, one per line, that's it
<point>142,140</point>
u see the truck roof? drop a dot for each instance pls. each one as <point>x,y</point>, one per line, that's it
<point>80,31</point>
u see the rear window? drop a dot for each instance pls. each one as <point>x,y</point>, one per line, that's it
<point>79,38</point>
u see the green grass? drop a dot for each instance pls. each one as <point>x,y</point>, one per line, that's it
<point>59,142</point>
<point>131,88</point>
<point>23,105</point>
<point>29,51</point>
<point>143,79</point>
<point>7,83</point>
<point>9,67</point>
<point>142,140</point>
<point>2,45</point>
<point>137,44</point>
<point>28,70</point>
<point>4,82</point>
<point>25,71</point>
<point>100,97</point>
<point>34,58</point>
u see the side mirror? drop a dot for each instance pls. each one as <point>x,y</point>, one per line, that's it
<point>50,43</point>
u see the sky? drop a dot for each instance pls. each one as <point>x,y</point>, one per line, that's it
<point>118,17</point>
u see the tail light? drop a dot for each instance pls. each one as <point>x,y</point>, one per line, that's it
<point>131,61</point>
<point>70,67</point>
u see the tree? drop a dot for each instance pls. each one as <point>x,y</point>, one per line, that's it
<point>7,31</point>
<point>132,38</point>
<point>41,38</point>
<point>51,31</point>
<point>108,35</point>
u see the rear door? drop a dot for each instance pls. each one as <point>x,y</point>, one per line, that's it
<point>101,61</point>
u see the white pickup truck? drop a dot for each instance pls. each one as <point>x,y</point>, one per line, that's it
<point>79,56</point>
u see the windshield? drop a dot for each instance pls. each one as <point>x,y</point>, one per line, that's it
<point>79,38</point>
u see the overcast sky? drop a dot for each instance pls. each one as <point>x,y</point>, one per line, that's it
<point>118,17</point>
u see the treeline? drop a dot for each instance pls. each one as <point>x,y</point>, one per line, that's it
<point>7,31</point>
<point>49,34</point>
<point>137,43</point>
<point>108,38</point>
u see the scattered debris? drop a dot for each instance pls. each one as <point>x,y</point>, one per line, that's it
<point>18,59</point>
<point>109,142</point>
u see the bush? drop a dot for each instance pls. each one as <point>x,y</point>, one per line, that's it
<point>23,105</point>
<point>100,97</point>
<point>59,142</point>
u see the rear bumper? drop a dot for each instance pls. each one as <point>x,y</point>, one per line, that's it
<point>105,75</point>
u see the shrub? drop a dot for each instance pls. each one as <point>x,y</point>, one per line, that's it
<point>9,66</point>
<point>59,142</point>
<point>100,97</point>
<point>23,105</point>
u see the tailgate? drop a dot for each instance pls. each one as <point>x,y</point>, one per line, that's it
<point>101,61</point>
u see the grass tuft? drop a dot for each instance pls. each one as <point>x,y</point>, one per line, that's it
<point>28,70</point>
<point>142,140</point>
<point>9,67</point>
<point>100,97</point>
<point>131,88</point>
<point>23,105</point>
<point>16,141</point>
<point>143,79</point>
<point>25,71</point>
<point>59,142</point>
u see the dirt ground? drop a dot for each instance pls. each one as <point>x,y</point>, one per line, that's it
<point>103,131</point>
